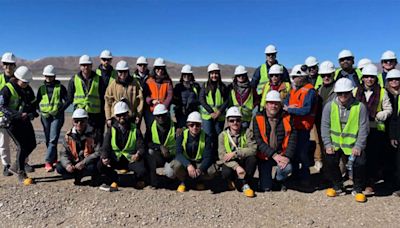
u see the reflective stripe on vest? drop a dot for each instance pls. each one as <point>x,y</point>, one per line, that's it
<point>111,78</point>
<point>246,108</point>
<point>50,107</point>
<point>267,88</point>
<point>170,142</point>
<point>157,93</point>
<point>214,105</point>
<point>15,99</point>
<point>297,98</point>
<point>344,139</point>
<point>2,81</point>
<point>200,148</point>
<point>130,145</point>
<point>227,144</point>
<point>263,78</point>
<point>90,101</point>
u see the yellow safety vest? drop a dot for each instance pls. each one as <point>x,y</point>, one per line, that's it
<point>379,124</point>
<point>88,100</point>
<point>170,142</point>
<point>50,107</point>
<point>214,105</point>
<point>200,148</point>
<point>130,145</point>
<point>267,88</point>
<point>246,108</point>
<point>227,144</point>
<point>15,99</point>
<point>112,78</point>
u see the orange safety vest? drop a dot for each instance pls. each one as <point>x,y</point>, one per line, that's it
<point>157,93</point>
<point>297,98</point>
<point>262,126</point>
<point>88,150</point>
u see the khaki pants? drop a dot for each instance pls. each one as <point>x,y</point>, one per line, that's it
<point>315,136</point>
<point>182,174</point>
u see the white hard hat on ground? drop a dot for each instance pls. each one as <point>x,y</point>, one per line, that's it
<point>233,112</point>
<point>212,67</point>
<point>343,85</point>
<point>159,62</point>
<point>395,73</point>
<point>370,69</point>
<point>23,74</point>
<point>270,49</point>
<point>194,117</point>
<point>275,69</point>
<point>141,60</point>
<point>240,70</point>
<point>297,71</point>
<point>363,62</point>
<point>120,107</point>
<point>8,57</point>
<point>122,65</point>
<point>274,96</point>
<point>326,67</point>
<point>49,70</point>
<point>311,61</point>
<point>85,59</point>
<point>187,69</point>
<point>344,54</point>
<point>160,109</point>
<point>106,54</point>
<point>79,114</point>
<point>388,55</point>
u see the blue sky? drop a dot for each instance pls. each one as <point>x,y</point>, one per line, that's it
<point>198,32</point>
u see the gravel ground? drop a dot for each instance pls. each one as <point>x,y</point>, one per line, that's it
<point>54,202</point>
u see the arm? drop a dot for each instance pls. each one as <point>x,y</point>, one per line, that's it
<point>203,101</point>
<point>71,89</point>
<point>105,151</point>
<point>363,131</point>
<point>291,148</point>
<point>149,140</point>
<point>225,95</point>
<point>386,108</point>
<point>179,152</point>
<point>309,102</point>
<point>251,146</point>
<point>256,78</point>
<point>139,143</point>
<point>139,101</point>
<point>108,101</point>
<point>65,98</point>
<point>207,156</point>
<point>170,93</point>
<point>64,158</point>
<point>326,126</point>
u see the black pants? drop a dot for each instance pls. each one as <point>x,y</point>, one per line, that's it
<point>334,175</point>
<point>89,170</point>
<point>138,167</point>
<point>375,152</point>
<point>249,164</point>
<point>22,133</point>
<point>97,121</point>
<point>154,159</point>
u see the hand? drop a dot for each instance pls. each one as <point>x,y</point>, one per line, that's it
<point>179,132</point>
<point>164,151</point>
<point>198,172</point>
<point>394,143</point>
<point>70,168</point>
<point>80,165</point>
<point>229,156</point>
<point>24,116</point>
<point>329,150</point>
<point>355,151</point>
<point>285,108</point>
<point>137,120</point>
<point>213,115</point>
<point>240,172</point>
<point>135,157</point>
<point>192,171</point>
<point>109,123</point>
<point>155,102</point>
<point>105,161</point>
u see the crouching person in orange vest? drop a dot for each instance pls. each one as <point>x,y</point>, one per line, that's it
<point>276,139</point>
<point>79,157</point>
<point>123,149</point>
<point>194,156</point>
<point>236,149</point>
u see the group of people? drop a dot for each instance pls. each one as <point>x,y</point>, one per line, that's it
<point>344,122</point>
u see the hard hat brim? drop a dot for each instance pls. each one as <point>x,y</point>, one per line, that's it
<point>122,68</point>
<point>85,63</point>
<point>49,75</point>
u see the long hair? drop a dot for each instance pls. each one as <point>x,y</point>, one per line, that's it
<point>191,78</point>
<point>153,73</point>
<point>208,84</point>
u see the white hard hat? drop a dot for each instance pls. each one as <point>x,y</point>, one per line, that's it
<point>160,109</point>
<point>106,54</point>
<point>85,59</point>
<point>194,117</point>
<point>273,95</point>
<point>297,71</point>
<point>8,57</point>
<point>23,74</point>
<point>240,70</point>
<point>311,61</point>
<point>122,65</point>
<point>187,69</point>
<point>395,73</point>
<point>120,107</point>
<point>212,67</point>
<point>141,60</point>
<point>159,62</point>
<point>370,69</point>
<point>363,62</point>
<point>49,70</point>
<point>343,85</point>
<point>326,67</point>
<point>79,114</point>
<point>275,69</point>
<point>233,112</point>
<point>270,49</point>
<point>345,53</point>
<point>388,55</point>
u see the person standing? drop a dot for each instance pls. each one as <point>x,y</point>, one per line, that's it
<point>105,70</point>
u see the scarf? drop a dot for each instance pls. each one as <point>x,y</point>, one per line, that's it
<point>273,122</point>
<point>241,87</point>
<point>372,103</point>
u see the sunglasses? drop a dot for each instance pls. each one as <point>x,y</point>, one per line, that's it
<point>312,67</point>
<point>80,121</point>
<point>272,54</point>
<point>86,65</point>
<point>369,76</point>
<point>326,75</point>
<point>159,68</point>
<point>234,120</point>
<point>389,61</point>
<point>106,60</point>
<point>142,65</point>
<point>346,59</point>
<point>161,116</point>
<point>275,75</point>
<point>343,93</point>
<point>194,125</point>
<point>8,64</point>
<point>121,115</point>
<point>241,75</point>
<point>122,71</point>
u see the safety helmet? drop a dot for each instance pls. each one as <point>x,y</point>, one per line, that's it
<point>194,117</point>
<point>343,85</point>
<point>297,71</point>
<point>311,61</point>
<point>363,62</point>
<point>160,109</point>
<point>122,65</point>
<point>8,57</point>
<point>233,112</point>
<point>240,70</point>
<point>395,73</point>
<point>270,49</point>
<point>159,62</point>
<point>274,96</point>
<point>344,54</point>
<point>120,107</point>
<point>370,69</point>
<point>212,67</point>
<point>85,59</point>
<point>275,69</point>
<point>326,67</point>
<point>49,70</point>
<point>106,54</point>
<point>23,74</point>
<point>187,69</point>
<point>388,55</point>
<point>141,60</point>
<point>79,114</point>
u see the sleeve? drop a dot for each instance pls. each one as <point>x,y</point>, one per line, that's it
<point>203,100</point>
<point>140,101</point>
<point>291,148</point>
<point>207,156</point>
<point>64,158</point>
<point>285,76</point>
<point>105,151</point>
<point>251,146</point>
<point>256,78</point>
<point>170,93</point>
<point>65,98</point>
<point>109,100</point>
<point>386,108</point>
<point>325,125</point>
<point>309,102</point>
<point>179,152</point>
<point>71,89</point>
<point>222,152</point>
<point>226,92</point>
<point>363,131</point>
<point>140,147</point>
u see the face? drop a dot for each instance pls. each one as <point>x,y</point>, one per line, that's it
<point>394,82</point>
<point>275,79</point>
<point>22,84</point>
<point>194,128</point>
<point>106,62</point>
<point>273,108</point>
<point>49,78</point>
<point>313,71</point>
<point>142,68</point>
<point>9,68</point>
<point>86,69</point>
<point>122,75</point>
<point>327,78</point>
<point>298,80</point>
<point>214,75</point>
<point>271,58</point>
<point>234,123</point>
<point>160,71</point>
<point>242,78</point>
<point>122,118</point>
<point>344,97</point>
<point>161,119</point>
<point>346,63</point>
<point>80,124</point>
<point>369,80</point>
<point>389,64</point>
<point>186,77</point>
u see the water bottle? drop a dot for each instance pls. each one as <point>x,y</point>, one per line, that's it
<point>349,165</point>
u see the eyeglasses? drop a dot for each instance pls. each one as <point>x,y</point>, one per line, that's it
<point>326,75</point>
<point>106,60</point>
<point>346,59</point>
<point>194,125</point>
<point>121,114</point>
<point>234,120</point>
<point>80,121</point>
<point>343,93</point>
<point>241,76</point>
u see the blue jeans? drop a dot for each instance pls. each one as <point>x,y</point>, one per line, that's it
<point>52,126</point>
<point>213,128</point>
<point>265,173</point>
<point>301,155</point>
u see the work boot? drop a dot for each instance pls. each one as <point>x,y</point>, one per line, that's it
<point>29,168</point>
<point>231,185</point>
<point>6,171</point>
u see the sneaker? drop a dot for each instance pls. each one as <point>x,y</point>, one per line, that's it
<point>247,191</point>
<point>109,188</point>
<point>396,193</point>
<point>369,191</point>
<point>29,168</point>
<point>48,167</point>
<point>331,192</point>
<point>6,171</point>
<point>181,188</point>
<point>360,197</point>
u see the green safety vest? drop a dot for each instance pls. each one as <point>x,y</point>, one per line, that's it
<point>113,75</point>
<point>264,79</point>
<point>130,145</point>
<point>379,124</point>
<point>227,145</point>
<point>380,80</point>
<point>15,99</point>
<point>170,142</point>
<point>246,108</point>
<point>200,148</point>
<point>346,138</point>
<point>214,105</point>
<point>88,100</point>
<point>47,107</point>
<point>267,89</point>
<point>319,82</point>
<point>360,75</point>
<point>2,80</point>
<point>358,72</point>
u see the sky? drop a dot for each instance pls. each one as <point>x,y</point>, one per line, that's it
<point>199,32</point>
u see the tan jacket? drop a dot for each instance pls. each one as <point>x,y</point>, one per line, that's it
<point>132,93</point>
<point>249,149</point>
